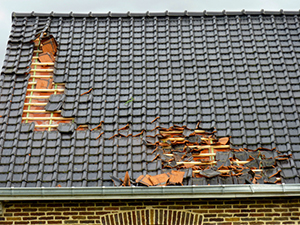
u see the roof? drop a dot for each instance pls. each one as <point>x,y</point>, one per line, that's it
<point>236,71</point>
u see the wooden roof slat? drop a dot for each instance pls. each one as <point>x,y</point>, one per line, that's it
<point>46,90</point>
<point>46,118</point>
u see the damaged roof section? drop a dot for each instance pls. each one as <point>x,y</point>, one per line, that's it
<point>44,98</point>
<point>198,157</point>
<point>126,74</point>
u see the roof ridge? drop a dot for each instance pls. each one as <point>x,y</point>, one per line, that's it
<point>153,14</point>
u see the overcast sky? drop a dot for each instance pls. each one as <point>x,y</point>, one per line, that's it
<point>97,6</point>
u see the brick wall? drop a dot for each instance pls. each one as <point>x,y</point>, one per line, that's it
<point>209,211</point>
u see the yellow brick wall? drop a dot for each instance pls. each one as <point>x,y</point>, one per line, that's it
<point>210,211</point>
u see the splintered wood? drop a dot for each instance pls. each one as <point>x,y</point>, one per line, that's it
<point>41,87</point>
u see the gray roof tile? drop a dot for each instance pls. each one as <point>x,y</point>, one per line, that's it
<point>236,71</point>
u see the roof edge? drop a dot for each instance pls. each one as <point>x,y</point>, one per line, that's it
<point>175,192</point>
<point>154,14</point>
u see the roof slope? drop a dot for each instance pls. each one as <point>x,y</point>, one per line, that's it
<point>238,72</point>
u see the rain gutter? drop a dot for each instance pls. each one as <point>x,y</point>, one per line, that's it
<point>175,192</point>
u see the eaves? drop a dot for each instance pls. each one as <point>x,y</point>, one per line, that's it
<point>175,192</point>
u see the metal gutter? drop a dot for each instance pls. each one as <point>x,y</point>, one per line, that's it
<point>175,192</point>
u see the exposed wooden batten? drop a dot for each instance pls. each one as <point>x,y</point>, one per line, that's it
<point>34,82</point>
<point>46,126</point>
<point>171,132</point>
<point>209,146</point>
<point>36,57</point>
<point>227,171</point>
<point>241,162</point>
<point>41,76</point>
<point>199,155</point>
<point>210,162</point>
<point>197,163</point>
<point>35,104</point>
<point>200,131</point>
<point>173,139</point>
<point>42,64</point>
<point>40,111</point>
<point>83,126</point>
<point>46,90</point>
<point>42,70</point>
<point>38,97</point>
<point>46,118</point>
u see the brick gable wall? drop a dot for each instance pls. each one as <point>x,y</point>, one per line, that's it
<point>209,211</point>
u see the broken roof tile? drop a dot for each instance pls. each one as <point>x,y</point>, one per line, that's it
<point>268,163</point>
<point>126,180</point>
<point>46,57</point>
<point>144,179</point>
<point>209,173</point>
<point>241,155</point>
<point>160,179</point>
<point>176,177</point>
<point>117,181</point>
<point>253,164</point>
<point>223,155</point>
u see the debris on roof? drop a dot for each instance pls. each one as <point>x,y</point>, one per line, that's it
<point>169,178</point>
<point>210,158</point>
<point>121,182</point>
<point>126,181</point>
<point>144,179</point>
<point>46,57</point>
<point>49,45</point>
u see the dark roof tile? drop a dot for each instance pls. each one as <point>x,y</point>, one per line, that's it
<point>238,75</point>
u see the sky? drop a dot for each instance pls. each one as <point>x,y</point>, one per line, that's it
<point>100,6</point>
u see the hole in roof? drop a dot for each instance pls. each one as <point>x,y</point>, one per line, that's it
<point>44,98</point>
